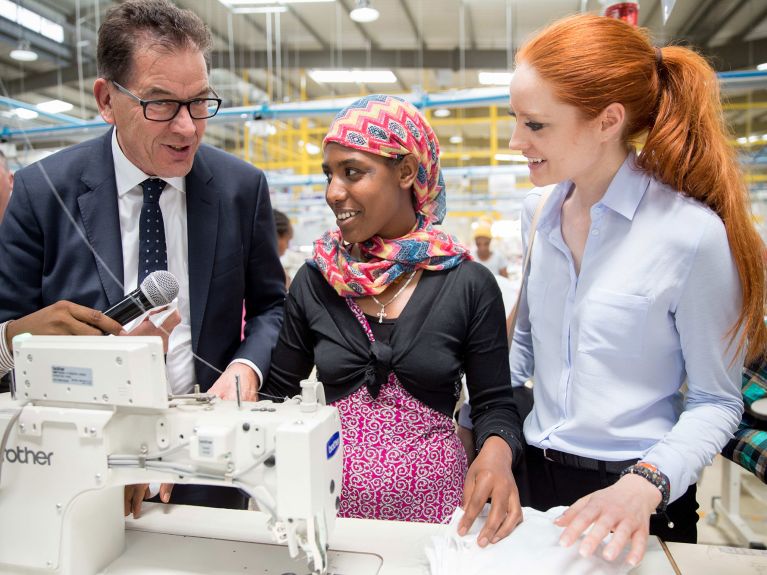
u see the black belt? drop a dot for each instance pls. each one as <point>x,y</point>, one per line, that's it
<point>585,463</point>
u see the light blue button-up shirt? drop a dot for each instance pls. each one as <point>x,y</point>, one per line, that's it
<point>611,348</point>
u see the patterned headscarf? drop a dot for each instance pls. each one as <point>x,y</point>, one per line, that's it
<point>391,127</point>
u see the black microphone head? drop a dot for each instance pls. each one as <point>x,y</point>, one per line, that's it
<point>160,287</point>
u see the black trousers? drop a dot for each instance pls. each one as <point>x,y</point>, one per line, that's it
<point>547,484</point>
<point>207,496</point>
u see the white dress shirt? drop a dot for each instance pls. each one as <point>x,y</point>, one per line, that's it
<point>611,348</point>
<point>130,197</point>
<point>496,263</point>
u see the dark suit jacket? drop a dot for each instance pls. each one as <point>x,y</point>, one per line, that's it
<point>60,239</point>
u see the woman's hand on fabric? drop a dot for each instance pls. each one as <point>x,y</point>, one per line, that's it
<point>490,477</point>
<point>623,509</point>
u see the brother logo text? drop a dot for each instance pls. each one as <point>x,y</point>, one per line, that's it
<point>28,456</point>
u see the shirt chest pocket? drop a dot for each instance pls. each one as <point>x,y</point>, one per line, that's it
<point>613,323</point>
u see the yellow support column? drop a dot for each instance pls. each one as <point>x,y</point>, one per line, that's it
<point>493,135</point>
<point>245,129</point>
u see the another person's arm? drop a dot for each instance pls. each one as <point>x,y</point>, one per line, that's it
<point>497,425</point>
<point>293,357</point>
<point>61,318</point>
<point>749,446</point>
<point>521,359</point>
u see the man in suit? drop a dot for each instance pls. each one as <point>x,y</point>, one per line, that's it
<point>77,234</point>
<point>6,183</point>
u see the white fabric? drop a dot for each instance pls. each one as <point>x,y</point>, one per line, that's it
<point>495,263</point>
<point>610,348</point>
<point>6,359</point>
<point>533,547</point>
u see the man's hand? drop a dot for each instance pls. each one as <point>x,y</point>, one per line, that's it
<point>225,387</point>
<point>490,477</point>
<point>63,318</point>
<point>146,327</point>
<point>624,509</point>
<point>135,494</point>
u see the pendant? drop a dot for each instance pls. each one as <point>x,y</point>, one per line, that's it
<point>381,314</point>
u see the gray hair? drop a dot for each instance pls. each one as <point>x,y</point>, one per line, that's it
<point>159,21</point>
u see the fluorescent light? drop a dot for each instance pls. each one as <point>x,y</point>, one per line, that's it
<point>364,12</point>
<point>505,157</point>
<point>23,52</point>
<point>441,113</point>
<point>742,140</point>
<point>456,139</point>
<point>762,67</point>
<point>25,114</point>
<point>270,2</point>
<point>31,20</point>
<point>753,139</point>
<point>54,106</point>
<point>494,78</point>
<point>263,10</point>
<point>312,149</point>
<point>353,76</point>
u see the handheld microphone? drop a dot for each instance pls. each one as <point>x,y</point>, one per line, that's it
<point>158,288</point>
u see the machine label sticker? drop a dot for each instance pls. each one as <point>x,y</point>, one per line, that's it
<point>205,447</point>
<point>333,443</point>
<point>72,375</point>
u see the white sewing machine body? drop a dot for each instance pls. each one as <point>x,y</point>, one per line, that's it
<point>92,414</point>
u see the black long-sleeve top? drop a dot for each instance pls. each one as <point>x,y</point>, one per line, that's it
<point>453,323</point>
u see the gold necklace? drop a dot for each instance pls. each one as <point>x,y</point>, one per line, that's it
<point>382,312</point>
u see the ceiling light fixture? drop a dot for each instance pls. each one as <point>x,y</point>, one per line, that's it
<point>364,12</point>
<point>231,3</point>
<point>24,52</point>
<point>261,10</point>
<point>456,139</point>
<point>25,114</point>
<point>54,106</point>
<point>441,113</point>
<point>494,78</point>
<point>353,76</point>
<point>762,67</point>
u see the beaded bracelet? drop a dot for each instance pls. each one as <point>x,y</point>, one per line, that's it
<point>654,476</point>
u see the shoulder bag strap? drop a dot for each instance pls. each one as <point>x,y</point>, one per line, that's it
<point>526,262</point>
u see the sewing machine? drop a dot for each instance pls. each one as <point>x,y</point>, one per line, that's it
<point>92,414</point>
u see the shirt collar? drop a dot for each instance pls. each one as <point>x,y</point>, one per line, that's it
<point>622,196</point>
<point>550,215</point>
<point>128,176</point>
<point>627,188</point>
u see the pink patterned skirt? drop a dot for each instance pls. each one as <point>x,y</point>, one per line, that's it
<point>402,460</point>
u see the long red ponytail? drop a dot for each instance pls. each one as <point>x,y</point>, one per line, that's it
<point>671,96</point>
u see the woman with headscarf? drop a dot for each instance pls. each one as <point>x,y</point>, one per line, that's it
<point>393,311</point>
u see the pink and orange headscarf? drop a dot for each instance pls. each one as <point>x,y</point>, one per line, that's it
<point>391,127</point>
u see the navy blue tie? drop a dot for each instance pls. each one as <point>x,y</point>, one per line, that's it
<point>153,254</point>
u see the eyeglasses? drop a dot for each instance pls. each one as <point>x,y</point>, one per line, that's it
<point>165,110</point>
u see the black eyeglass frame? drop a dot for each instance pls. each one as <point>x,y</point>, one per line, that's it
<point>179,103</point>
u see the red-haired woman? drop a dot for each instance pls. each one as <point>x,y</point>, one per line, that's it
<point>646,275</point>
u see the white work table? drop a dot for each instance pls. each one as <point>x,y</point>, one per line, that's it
<point>175,540</point>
